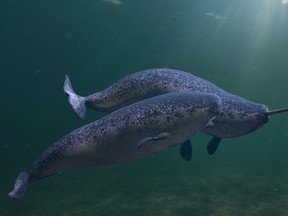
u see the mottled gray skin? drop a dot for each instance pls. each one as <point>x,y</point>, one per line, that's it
<point>238,117</point>
<point>113,139</point>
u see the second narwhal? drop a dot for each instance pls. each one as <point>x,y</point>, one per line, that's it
<point>238,116</point>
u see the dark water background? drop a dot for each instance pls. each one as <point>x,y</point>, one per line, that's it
<point>242,46</point>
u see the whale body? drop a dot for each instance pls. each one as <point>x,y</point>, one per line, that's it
<point>238,116</point>
<point>132,132</point>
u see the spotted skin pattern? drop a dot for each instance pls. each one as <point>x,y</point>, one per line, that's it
<point>113,139</point>
<point>238,117</point>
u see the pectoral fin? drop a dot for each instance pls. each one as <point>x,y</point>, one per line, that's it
<point>161,136</point>
<point>211,123</point>
<point>186,150</point>
<point>213,145</point>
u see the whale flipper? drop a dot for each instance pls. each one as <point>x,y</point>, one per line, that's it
<point>186,150</point>
<point>77,102</point>
<point>213,145</point>
<point>20,186</point>
<point>161,136</point>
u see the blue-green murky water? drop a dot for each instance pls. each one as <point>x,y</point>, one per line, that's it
<point>239,45</point>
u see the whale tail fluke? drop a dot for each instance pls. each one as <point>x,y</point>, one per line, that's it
<point>77,102</point>
<point>20,186</point>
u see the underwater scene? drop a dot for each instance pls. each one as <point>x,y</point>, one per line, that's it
<point>240,46</point>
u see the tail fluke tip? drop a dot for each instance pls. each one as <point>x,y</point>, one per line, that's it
<point>20,186</point>
<point>77,102</point>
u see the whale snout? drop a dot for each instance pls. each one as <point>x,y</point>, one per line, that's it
<point>263,117</point>
<point>256,119</point>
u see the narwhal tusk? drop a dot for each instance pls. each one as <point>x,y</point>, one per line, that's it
<point>272,112</point>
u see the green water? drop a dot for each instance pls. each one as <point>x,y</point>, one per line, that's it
<point>239,45</point>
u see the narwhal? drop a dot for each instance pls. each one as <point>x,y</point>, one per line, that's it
<point>237,118</point>
<point>134,131</point>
